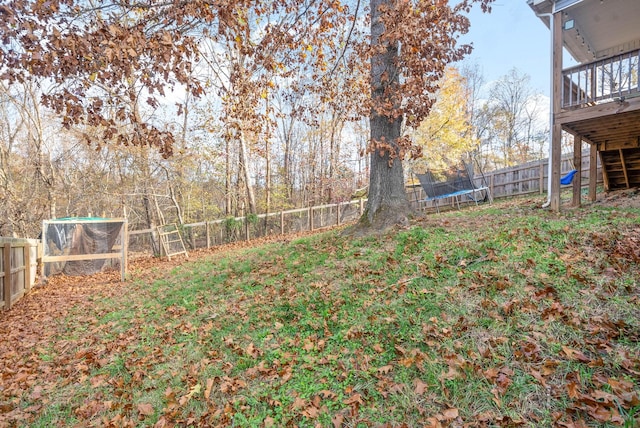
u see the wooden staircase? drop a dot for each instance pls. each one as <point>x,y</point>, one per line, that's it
<point>620,168</point>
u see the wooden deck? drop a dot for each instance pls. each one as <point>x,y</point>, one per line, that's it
<point>601,105</point>
<point>598,101</point>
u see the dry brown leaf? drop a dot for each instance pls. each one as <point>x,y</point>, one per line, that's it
<point>354,399</point>
<point>385,369</point>
<point>450,414</point>
<point>311,412</point>
<point>574,354</point>
<point>145,409</point>
<point>327,395</point>
<point>419,386</point>
<point>451,374</point>
<point>299,403</point>
<point>207,391</point>
<point>433,422</point>
<point>573,390</point>
<point>337,420</point>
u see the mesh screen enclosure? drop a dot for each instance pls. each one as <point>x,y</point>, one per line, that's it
<point>83,246</point>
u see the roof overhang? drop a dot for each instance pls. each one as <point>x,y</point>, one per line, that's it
<point>561,5</point>
<point>594,29</point>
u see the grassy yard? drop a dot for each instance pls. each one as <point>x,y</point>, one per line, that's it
<point>504,315</point>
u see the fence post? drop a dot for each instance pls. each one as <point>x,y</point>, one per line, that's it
<point>310,218</point>
<point>206,227</point>
<point>338,214</point>
<point>577,163</point>
<point>491,183</point>
<point>26,250</point>
<point>281,222</point>
<point>192,237</point>
<point>361,206</point>
<point>593,171</point>
<point>541,175</point>
<point>125,251</point>
<point>7,275</point>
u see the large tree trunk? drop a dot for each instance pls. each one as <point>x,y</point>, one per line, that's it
<point>388,204</point>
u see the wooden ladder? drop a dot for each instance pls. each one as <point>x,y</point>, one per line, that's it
<point>171,240</point>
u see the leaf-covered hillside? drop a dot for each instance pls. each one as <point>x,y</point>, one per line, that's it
<point>502,315</point>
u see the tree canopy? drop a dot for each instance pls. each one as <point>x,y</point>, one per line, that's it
<point>107,66</point>
<point>100,56</point>
<point>107,59</point>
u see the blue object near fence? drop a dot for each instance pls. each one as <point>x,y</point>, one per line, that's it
<point>568,177</point>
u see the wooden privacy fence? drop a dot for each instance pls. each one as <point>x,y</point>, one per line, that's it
<point>18,268</point>
<point>533,177</point>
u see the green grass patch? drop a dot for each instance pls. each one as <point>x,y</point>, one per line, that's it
<point>489,317</point>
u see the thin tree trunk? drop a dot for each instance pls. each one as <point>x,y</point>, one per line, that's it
<point>288,174</point>
<point>150,212</point>
<point>47,178</point>
<point>267,208</point>
<point>336,131</point>
<point>244,159</point>
<point>175,188</point>
<point>158,211</point>
<point>52,203</point>
<point>173,197</point>
<point>227,179</point>
<point>176,204</point>
<point>322,171</point>
<point>267,149</point>
<point>151,224</point>
<point>240,201</point>
<point>7,214</point>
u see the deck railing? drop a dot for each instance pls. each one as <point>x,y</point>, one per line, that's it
<point>606,79</point>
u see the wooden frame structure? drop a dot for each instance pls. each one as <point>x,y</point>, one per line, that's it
<point>597,101</point>
<point>18,268</point>
<point>120,254</point>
